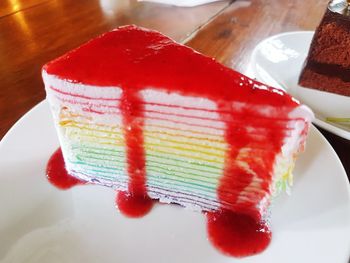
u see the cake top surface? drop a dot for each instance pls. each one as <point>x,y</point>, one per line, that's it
<point>131,57</point>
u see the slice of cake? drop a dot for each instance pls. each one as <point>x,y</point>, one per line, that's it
<point>156,120</point>
<point>327,65</point>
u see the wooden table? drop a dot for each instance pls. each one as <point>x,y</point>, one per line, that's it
<point>33,32</point>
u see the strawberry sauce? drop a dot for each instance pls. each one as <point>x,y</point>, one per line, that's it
<point>135,202</point>
<point>57,174</point>
<point>236,234</point>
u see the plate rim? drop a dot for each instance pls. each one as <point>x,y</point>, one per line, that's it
<point>325,125</point>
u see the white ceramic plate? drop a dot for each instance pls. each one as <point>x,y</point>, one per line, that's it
<point>278,61</point>
<point>39,223</point>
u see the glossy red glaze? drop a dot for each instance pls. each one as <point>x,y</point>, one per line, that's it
<point>57,174</point>
<point>135,58</point>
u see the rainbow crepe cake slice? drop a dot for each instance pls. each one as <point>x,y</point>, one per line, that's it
<point>140,113</point>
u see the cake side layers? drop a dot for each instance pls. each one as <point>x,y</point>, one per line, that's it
<point>88,119</point>
<point>184,144</point>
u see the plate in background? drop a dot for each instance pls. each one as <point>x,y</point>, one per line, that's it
<point>278,61</point>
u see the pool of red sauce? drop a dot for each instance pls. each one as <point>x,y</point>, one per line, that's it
<point>131,65</point>
<point>57,174</point>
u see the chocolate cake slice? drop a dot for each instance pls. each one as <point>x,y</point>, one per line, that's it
<point>327,66</point>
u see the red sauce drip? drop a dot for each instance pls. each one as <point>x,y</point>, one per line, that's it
<point>237,229</point>
<point>237,235</point>
<point>133,205</point>
<point>266,145</point>
<point>57,174</point>
<point>135,202</point>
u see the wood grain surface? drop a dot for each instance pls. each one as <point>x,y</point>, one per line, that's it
<point>32,32</point>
